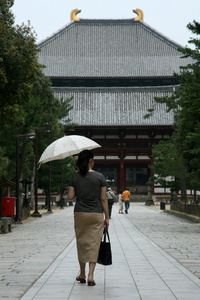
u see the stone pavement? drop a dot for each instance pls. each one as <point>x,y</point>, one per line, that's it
<point>155,256</point>
<point>179,237</point>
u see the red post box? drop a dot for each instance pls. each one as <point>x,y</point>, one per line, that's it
<point>8,206</point>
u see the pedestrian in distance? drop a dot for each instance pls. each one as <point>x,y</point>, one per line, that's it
<point>120,200</point>
<point>126,195</point>
<point>89,188</point>
<point>111,198</point>
<point>64,197</point>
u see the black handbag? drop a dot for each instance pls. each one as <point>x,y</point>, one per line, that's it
<point>105,254</point>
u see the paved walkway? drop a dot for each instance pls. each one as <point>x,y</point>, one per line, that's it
<point>178,237</point>
<point>40,261</point>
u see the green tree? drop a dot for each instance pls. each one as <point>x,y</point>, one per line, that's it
<point>3,164</point>
<point>26,97</point>
<point>67,166</point>
<point>18,64</point>
<point>42,108</point>
<point>52,111</point>
<point>185,103</point>
<point>167,162</point>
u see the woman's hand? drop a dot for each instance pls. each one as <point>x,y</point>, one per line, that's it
<point>106,223</point>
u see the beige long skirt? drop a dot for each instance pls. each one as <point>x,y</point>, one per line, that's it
<point>89,230</point>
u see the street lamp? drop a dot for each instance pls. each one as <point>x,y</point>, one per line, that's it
<point>17,218</point>
<point>49,191</point>
<point>47,128</point>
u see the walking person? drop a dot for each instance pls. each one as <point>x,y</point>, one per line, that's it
<point>120,200</point>
<point>126,195</point>
<point>89,188</point>
<point>64,197</point>
<point>111,198</point>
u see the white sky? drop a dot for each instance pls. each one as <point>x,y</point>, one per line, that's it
<point>169,17</point>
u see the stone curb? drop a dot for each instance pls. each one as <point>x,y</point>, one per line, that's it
<point>192,218</point>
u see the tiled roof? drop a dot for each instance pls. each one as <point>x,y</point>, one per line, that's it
<point>109,48</point>
<point>116,106</point>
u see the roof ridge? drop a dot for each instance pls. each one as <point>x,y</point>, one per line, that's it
<point>162,36</point>
<point>55,33</point>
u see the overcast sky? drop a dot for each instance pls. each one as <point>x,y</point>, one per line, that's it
<point>169,17</point>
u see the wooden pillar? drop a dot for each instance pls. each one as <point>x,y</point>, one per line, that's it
<point>122,172</point>
<point>151,171</point>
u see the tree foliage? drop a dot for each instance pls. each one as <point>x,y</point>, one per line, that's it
<point>41,109</point>
<point>18,64</point>
<point>65,166</point>
<point>185,103</point>
<point>27,100</point>
<point>169,167</point>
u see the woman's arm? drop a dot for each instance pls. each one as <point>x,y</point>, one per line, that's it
<point>104,202</point>
<point>71,193</point>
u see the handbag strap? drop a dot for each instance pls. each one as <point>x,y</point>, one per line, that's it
<point>105,232</point>
<point>110,196</point>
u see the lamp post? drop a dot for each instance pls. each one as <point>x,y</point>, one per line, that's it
<point>17,218</point>
<point>49,191</point>
<point>149,185</point>
<point>47,128</point>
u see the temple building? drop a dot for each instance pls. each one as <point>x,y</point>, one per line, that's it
<point>114,69</point>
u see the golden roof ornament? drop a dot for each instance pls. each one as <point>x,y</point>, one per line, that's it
<point>73,14</point>
<point>140,14</point>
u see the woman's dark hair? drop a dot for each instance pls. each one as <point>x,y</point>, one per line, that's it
<point>83,161</point>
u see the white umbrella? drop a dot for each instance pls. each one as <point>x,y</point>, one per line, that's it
<point>67,146</point>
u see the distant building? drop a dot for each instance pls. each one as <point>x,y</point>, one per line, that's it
<point>114,69</point>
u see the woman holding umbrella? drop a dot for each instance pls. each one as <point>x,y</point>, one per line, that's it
<point>89,188</point>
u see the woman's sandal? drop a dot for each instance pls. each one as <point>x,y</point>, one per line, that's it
<point>82,280</point>
<point>91,282</point>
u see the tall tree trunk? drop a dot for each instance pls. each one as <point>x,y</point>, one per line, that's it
<point>183,189</point>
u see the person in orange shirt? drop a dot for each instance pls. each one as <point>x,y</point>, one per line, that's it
<point>126,195</point>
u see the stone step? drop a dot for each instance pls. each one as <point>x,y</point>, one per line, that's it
<point>138,198</point>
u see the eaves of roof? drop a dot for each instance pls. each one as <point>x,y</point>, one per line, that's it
<point>117,107</point>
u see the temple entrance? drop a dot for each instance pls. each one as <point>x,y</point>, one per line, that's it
<point>110,174</point>
<point>136,179</point>
<point>135,176</point>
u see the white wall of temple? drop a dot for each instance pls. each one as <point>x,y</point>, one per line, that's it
<point>128,157</point>
<point>158,189</point>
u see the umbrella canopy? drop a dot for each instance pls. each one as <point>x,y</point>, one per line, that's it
<point>67,146</point>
